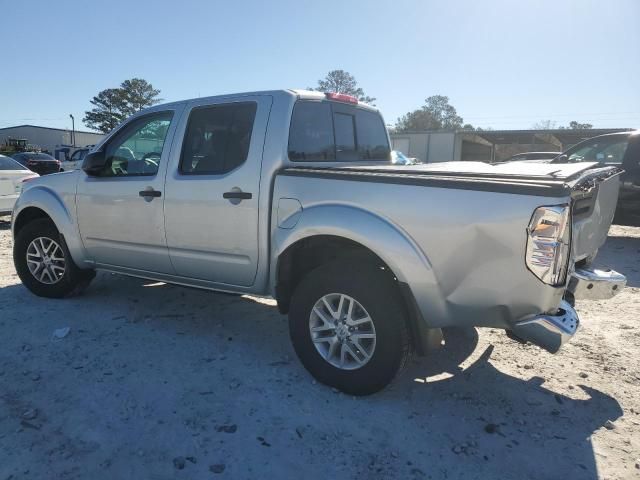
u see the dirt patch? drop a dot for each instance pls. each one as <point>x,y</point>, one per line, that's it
<point>156,381</point>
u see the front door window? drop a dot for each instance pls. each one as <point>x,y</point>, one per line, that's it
<point>137,150</point>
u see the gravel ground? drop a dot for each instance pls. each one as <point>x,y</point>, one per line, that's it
<point>160,382</point>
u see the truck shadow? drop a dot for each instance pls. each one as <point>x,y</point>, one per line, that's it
<point>518,427</point>
<point>204,356</point>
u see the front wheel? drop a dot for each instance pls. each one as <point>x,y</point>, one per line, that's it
<point>349,327</point>
<point>44,264</point>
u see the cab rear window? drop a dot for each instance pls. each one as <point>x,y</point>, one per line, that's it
<point>329,132</point>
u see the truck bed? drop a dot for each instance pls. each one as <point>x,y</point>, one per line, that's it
<point>550,180</point>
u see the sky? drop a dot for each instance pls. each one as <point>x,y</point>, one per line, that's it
<point>504,64</point>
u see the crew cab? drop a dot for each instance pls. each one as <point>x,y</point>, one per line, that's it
<point>292,194</point>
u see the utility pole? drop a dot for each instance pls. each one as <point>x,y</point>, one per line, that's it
<point>73,130</point>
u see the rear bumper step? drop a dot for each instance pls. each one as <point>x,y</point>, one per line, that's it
<point>549,331</point>
<point>596,283</point>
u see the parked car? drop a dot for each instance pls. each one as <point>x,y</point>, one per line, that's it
<point>41,163</point>
<point>292,194</point>
<point>12,177</point>
<point>399,158</point>
<point>75,161</point>
<point>518,157</point>
<point>618,150</point>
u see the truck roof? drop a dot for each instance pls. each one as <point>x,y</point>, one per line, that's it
<point>299,93</point>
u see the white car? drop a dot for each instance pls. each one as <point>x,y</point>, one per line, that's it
<point>75,161</point>
<point>12,176</point>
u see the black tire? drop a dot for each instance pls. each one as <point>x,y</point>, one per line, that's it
<point>376,292</point>
<point>74,279</point>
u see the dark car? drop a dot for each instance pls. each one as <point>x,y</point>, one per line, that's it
<point>617,149</point>
<point>41,163</point>
<point>518,157</point>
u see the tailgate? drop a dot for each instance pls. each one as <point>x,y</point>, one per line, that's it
<point>594,197</point>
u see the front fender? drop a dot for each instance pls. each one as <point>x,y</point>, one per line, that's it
<point>61,209</point>
<point>387,240</point>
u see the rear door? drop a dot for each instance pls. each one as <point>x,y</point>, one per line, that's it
<point>212,190</point>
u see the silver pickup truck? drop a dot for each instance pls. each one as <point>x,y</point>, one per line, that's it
<point>292,194</point>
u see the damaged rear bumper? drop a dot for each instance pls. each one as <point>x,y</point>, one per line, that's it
<point>596,283</point>
<point>549,331</point>
<point>552,330</point>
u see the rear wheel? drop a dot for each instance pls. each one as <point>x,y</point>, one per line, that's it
<point>349,328</point>
<point>44,264</point>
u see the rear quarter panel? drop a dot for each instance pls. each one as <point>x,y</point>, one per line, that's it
<point>460,251</point>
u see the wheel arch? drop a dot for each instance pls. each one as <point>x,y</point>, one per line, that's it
<point>41,202</point>
<point>326,233</point>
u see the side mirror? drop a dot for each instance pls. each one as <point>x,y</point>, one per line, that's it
<point>561,159</point>
<point>94,163</point>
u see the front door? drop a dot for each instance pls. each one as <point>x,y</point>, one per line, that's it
<point>120,211</point>
<point>212,191</point>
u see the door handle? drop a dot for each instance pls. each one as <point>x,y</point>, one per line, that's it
<point>150,193</point>
<point>237,195</point>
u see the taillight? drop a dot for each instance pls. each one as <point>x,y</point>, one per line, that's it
<point>549,243</point>
<point>341,97</point>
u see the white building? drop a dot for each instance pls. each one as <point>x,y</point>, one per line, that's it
<point>488,145</point>
<point>57,141</point>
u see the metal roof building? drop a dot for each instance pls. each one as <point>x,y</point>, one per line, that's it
<point>50,139</point>
<point>488,145</point>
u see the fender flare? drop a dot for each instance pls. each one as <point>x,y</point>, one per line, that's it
<point>47,200</point>
<point>388,241</point>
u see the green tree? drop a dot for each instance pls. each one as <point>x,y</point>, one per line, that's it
<point>545,125</point>
<point>552,125</point>
<point>107,111</point>
<point>436,113</point>
<point>113,105</point>
<point>138,94</point>
<point>339,81</point>
<point>573,125</point>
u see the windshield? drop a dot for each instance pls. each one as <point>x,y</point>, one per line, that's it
<point>7,163</point>
<point>605,149</point>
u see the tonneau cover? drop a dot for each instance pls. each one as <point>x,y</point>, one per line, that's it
<point>554,171</point>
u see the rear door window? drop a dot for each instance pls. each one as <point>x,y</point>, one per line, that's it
<point>217,138</point>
